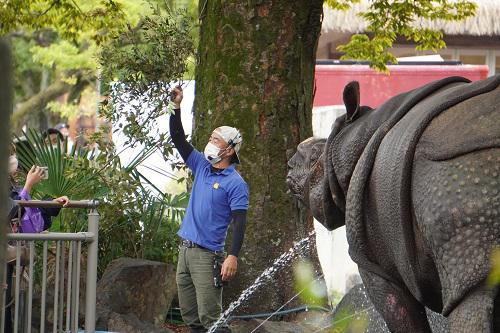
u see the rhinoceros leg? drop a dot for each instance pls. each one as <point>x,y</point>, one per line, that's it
<point>401,311</point>
<point>474,313</point>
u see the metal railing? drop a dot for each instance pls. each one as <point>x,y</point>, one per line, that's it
<point>65,316</point>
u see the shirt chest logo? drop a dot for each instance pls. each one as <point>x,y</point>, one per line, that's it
<point>216,185</point>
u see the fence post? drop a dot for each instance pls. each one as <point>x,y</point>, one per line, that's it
<point>90,298</point>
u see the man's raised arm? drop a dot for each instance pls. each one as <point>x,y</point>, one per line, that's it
<point>176,130</point>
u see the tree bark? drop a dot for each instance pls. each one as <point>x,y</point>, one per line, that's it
<point>6,96</point>
<point>255,72</point>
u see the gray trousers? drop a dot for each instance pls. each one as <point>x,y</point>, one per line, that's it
<point>200,301</point>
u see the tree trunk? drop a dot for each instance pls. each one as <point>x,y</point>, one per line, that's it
<point>6,95</point>
<point>255,72</point>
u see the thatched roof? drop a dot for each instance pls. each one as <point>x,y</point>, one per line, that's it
<point>485,23</point>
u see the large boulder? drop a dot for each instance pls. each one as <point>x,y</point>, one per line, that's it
<point>134,295</point>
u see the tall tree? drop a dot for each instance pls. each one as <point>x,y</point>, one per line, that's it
<point>5,109</point>
<point>255,71</point>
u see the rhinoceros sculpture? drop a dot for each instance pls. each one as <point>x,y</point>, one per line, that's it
<point>416,183</point>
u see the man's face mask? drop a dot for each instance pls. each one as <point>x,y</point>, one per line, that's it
<point>213,153</point>
<point>13,164</point>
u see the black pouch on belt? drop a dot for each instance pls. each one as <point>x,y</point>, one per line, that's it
<point>218,283</point>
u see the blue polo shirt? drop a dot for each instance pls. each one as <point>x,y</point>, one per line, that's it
<point>213,196</point>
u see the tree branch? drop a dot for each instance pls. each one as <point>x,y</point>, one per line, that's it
<point>39,101</point>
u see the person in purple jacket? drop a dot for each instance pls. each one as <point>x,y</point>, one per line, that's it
<point>32,220</point>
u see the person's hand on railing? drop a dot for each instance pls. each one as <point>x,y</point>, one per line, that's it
<point>64,200</point>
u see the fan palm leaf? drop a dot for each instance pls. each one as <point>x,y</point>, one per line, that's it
<point>34,149</point>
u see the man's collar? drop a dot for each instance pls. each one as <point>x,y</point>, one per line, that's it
<point>225,171</point>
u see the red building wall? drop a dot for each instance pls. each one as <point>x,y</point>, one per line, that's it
<point>377,87</point>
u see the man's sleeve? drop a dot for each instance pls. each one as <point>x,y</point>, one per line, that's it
<point>178,136</point>
<point>196,161</point>
<point>238,201</point>
<point>238,197</point>
<point>193,158</point>
<point>239,224</point>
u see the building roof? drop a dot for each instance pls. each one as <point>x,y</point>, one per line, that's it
<point>485,23</point>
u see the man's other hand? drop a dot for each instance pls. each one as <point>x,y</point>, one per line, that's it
<point>229,268</point>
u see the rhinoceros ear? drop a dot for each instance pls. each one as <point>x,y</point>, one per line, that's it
<point>351,100</point>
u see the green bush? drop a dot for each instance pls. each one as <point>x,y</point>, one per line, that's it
<point>134,221</point>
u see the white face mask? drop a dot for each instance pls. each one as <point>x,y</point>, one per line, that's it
<point>13,164</point>
<point>212,153</point>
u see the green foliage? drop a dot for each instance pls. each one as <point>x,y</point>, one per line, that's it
<point>312,292</point>
<point>494,276</point>
<point>341,4</point>
<point>140,65</point>
<point>58,41</point>
<point>156,237</point>
<point>134,222</point>
<point>27,72</point>
<point>349,321</point>
<point>389,19</point>
<point>78,108</point>
<point>67,17</point>
<point>66,55</point>
<point>35,150</point>
<point>149,54</point>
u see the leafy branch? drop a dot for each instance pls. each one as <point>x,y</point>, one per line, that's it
<point>389,19</point>
<point>140,66</point>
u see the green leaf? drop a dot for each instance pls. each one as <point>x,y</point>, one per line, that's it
<point>388,19</point>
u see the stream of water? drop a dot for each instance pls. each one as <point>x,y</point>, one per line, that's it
<point>266,275</point>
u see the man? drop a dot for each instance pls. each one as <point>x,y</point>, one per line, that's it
<point>219,195</point>
<point>53,136</point>
<point>63,128</point>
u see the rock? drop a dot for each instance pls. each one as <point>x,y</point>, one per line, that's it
<point>134,293</point>
<point>302,322</point>
<point>355,313</point>
<point>246,326</point>
<point>129,323</point>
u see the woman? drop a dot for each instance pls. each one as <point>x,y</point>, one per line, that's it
<point>32,220</point>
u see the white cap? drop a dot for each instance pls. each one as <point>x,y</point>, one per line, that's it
<point>233,138</point>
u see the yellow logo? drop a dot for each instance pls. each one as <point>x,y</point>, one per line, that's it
<point>216,185</point>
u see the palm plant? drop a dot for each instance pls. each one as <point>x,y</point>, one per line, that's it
<point>159,221</point>
<point>135,221</point>
<point>34,149</point>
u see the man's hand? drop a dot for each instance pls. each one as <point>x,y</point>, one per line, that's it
<point>177,96</point>
<point>35,175</point>
<point>229,267</point>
